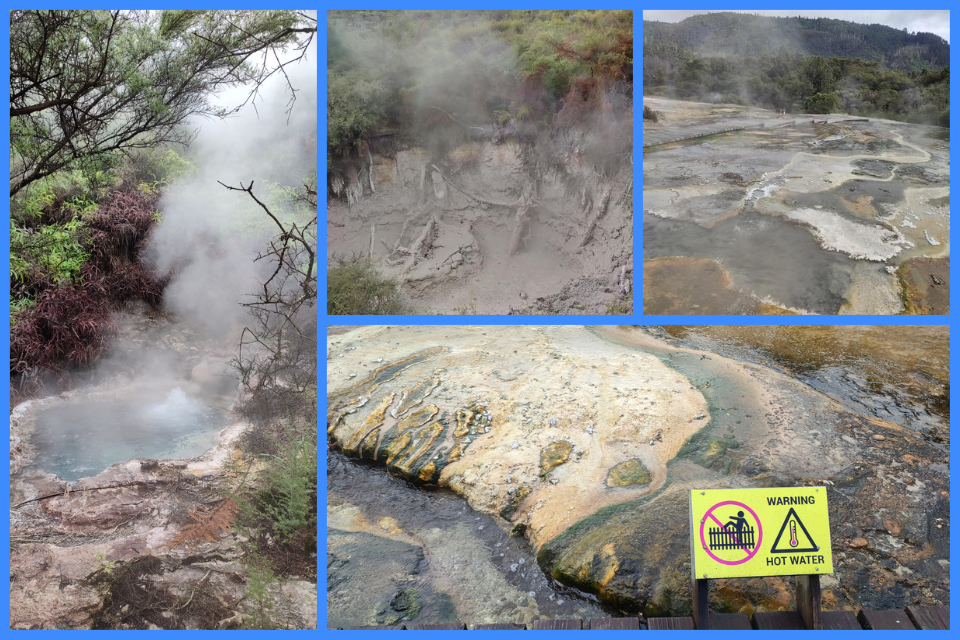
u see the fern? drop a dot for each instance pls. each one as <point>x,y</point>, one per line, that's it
<point>207,525</point>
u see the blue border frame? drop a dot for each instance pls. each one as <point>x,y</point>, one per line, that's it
<point>636,317</point>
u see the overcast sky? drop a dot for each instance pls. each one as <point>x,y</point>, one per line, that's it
<point>937,22</point>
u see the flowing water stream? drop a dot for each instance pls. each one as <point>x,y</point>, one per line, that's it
<point>397,552</point>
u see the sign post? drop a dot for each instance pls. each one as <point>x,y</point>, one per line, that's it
<point>781,531</point>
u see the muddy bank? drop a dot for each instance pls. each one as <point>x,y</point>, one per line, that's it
<point>488,227</point>
<point>585,441</point>
<point>815,213</point>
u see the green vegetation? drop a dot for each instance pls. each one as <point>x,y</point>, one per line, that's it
<point>354,287</point>
<point>88,85</point>
<point>728,34</point>
<point>422,69</point>
<point>727,58</point>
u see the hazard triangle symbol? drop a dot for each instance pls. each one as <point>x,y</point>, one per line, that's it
<point>793,536</point>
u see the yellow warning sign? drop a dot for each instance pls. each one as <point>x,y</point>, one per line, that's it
<point>737,533</point>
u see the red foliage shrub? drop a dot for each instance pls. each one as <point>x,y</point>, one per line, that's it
<point>70,326</point>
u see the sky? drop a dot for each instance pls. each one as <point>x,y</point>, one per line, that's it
<point>931,21</point>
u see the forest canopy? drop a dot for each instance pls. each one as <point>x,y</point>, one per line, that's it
<point>86,85</point>
<point>801,65</point>
<point>518,65</point>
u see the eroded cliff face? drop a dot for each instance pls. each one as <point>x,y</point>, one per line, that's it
<point>588,440</point>
<point>488,227</point>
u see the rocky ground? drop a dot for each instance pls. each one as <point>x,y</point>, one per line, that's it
<point>586,441</point>
<point>144,544</point>
<point>798,213</point>
<point>470,231</point>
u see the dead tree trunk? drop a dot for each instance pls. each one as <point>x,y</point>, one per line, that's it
<point>521,228</point>
<point>599,211</point>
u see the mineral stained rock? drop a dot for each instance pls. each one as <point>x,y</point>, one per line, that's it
<point>588,441</point>
<point>553,409</point>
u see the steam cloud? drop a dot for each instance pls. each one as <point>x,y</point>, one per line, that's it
<point>209,236</point>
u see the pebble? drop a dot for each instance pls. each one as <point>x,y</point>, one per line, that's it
<point>353,375</point>
<point>553,421</point>
<point>858,543</point>
<point>877,436</point>
<point>908,480</point>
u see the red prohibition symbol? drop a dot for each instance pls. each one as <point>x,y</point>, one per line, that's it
<point>750,550</point>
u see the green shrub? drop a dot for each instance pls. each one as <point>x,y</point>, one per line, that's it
<point>257,595</point>
<point>354,287</point>
<point>290,497</point>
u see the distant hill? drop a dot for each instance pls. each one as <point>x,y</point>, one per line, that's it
<point>744,35</point>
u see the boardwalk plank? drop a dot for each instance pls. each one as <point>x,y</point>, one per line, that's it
<point>572,624</point>
<point>670,624</point>
<point>504,626</point>
<point>733,621</point>
<point>933,618</point>
<point>615,624</point>
<point>887,620</point>
<point>841,621</point>
<point>777,620</point>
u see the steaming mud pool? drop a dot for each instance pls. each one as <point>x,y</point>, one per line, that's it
<point>79,439</point>
<point>514,473</point>
<point>746,211</point>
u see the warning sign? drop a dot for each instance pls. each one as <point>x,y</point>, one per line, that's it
<point>759,532</point>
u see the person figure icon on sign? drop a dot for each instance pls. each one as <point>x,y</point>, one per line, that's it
<point>739,524</point>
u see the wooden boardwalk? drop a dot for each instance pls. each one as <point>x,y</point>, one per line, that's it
<point>913,617</point>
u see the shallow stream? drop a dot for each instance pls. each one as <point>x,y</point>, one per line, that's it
<point>397,552</point>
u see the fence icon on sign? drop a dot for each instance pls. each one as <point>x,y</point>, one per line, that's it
<point>736,534</point>
<point>723,538</point>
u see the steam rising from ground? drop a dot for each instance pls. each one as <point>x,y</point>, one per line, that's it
<point>209,236</point>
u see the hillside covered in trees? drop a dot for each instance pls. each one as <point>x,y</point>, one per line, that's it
<point>811,65</point>
<point>496,66</point>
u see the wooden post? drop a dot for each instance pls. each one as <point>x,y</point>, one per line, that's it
<point>808,601</point>
<point>701,609</point>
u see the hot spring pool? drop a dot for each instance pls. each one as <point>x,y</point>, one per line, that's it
<point>79,439</point>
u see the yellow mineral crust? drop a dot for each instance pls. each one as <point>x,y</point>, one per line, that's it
<point>540,385</point>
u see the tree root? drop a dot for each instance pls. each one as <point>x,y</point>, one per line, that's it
<point>599,211</point>
<point>467,193</point>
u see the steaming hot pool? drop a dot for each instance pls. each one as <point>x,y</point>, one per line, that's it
<point>79,439</point>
